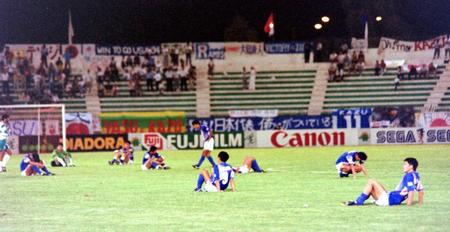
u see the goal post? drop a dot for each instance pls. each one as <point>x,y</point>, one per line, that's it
<point>36,127</point>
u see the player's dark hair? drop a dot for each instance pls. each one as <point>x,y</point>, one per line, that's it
<point>128,141</point>
<point>60,144</point>
<point>362,156</point>
<point>413,162</point>
<point>36,157</point>
<point>223,155</point>
<point>153,148</point>
<point>196,122</point>
<point>5,116</point>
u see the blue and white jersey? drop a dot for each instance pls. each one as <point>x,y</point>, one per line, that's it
<point>4,131</point>
<point>348,157</point>
<point>128,150</point>
<point>410,182</point>
<point>147,156</point>
<point>223,173</point>
<point>204,130</point>
<point>24,163</point>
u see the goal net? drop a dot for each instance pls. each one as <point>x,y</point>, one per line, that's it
<point>35,127</point>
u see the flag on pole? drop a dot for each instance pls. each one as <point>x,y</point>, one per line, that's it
<point>366,34</point>
<point>269,28</point>
<point>70,29</point>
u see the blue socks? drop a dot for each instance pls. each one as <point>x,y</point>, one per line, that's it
<point>211,160</point>
<point>255,166</point>
<point>36,170</point>
<point>200,161</point>
<point>361,199</point>
<point>200,181</point>
<point>45,170</point>
<point>154,165</point>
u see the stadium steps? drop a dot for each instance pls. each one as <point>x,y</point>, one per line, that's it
<point>439,98</point>
<point>287,91</point>
<point>319,90</point>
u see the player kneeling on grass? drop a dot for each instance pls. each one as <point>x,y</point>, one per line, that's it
<point>223,175</point>
<point>248,165</point>
<point>123,156</point>
<point>404,190</point>
<point>31,165</point>
<point>61,158</point>
<point>153,160</point>
<point>346,163</point>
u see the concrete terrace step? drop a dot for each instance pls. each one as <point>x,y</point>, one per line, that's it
<point>263,101</point>
<point>266,87</point>
<point>260,96</point>
<point>274,72</point>
<point>378,94</point>
<point>381,88</point>
<point>382,84</point>
<point>239,82</point>
<point>258,92</point>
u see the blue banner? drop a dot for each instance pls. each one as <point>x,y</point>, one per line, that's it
<point>127,50</point>
<point>226,124</point>
<point>284,48</point>
<point>352,118</point>
<point>209,50</point>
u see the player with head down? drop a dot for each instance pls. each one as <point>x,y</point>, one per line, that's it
<point>208,144</point>
<point>249,164</point>
<point>347,164</point>
<point>153,160</point>
<point>223,176</point>
<point>123,156</point>
<point>404,190</point>
<point>31,165</point>
<point>5,152</point>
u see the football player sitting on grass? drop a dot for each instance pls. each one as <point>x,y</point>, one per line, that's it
<point>61,158</point>
<point>153,160</point>
<point>249,164</point>
<point>31,165</point>
<point>123,156</point>
<point>346,163</point>
<point>404,190</point>
<point>223,175</point>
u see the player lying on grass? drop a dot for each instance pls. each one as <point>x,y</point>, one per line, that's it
<point>123,156</point>
<point>404,190</point>
<point>346,163</point>
<point>61,158</point>
<point>31,165</point>
<point>223,175</point>
<point>248,165</point>
<point>153,160</point>
<point>208,144</point>
<point>5,152</point>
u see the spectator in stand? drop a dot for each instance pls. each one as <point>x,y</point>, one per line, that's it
<point>377,68</point>
<point>318,52</point>
<point>344,48</point>
<point>333,57</point>
<point>115,89</point>
<point>354,62</point>
<point>396,82</point>
<point>210,68</point>
<point>176,78</point>
<point>347,62</point>
<point>307,48</point>
<point>168,74</point>
<point>165,57</point>
<point>432,71</point>
<point>340,66</point>
<point>137,84</point>
<point>149,79</point>
<point>423,71</point>
<point>192,77</point>
<point>400,73</point>
<point>188,53</point>
<point>252,79</point>
<point>332,71</point>
<point>412,72</point>
<point>382,67</point>
<point>360,66</point>
<point>437,51</point>
<point>4,77</point>
<point>44,55</point>
<point>87,77</point>
<point>361,57</point>
<point>245,78</point>
<point>137,60</point>
<point>158,81</point>
<point>176,55</point>
<point>447,48</point>
<point>183,74</point>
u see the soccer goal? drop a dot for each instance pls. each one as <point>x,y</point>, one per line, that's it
<point>35,127</point>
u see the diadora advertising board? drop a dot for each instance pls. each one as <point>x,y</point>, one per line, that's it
<point>306,138</point>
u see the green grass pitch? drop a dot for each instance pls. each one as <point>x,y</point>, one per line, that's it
<point>302,193</point>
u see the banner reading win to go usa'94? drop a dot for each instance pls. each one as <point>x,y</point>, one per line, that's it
<point>143,122</point>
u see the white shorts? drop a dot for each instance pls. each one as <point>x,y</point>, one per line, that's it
<point>243,169</point>
<point>209,145</point>
<point>23,173</point>
<point>339,166</point>
<point>209,187</point>
<point>383,200</point>
<point>144,168</point>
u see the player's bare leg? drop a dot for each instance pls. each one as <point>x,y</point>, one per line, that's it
<point>373,188</point>
<point>203,177</point>
<point>205,154</point>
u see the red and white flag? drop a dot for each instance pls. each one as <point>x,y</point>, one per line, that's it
<point>269,28</point>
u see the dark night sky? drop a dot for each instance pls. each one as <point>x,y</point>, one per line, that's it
<point>146,21</point>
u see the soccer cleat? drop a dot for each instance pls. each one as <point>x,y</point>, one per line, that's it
<point>110,162</point>
<point>195,166</point>
<point>198,190</point>
<point>349,203</point>
<point>166,167</point>
<point>343,174</point>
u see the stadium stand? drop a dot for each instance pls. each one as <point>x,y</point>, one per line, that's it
<point>288,91</point>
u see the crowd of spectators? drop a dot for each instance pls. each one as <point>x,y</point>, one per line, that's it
<point>148,73</point>
<point>343,63</point>
<point>46,83</point>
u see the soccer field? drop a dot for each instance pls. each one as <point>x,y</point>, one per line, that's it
<point>302,193</point>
